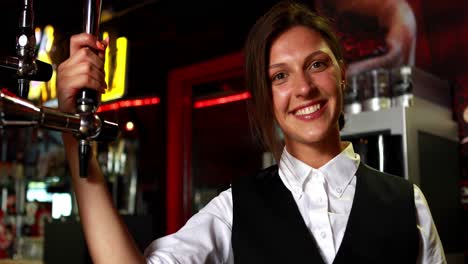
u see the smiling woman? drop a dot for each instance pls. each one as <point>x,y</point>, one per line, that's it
<point>307,97</point>
<point>326,55</point>
<point>320,203</point>
<point>296,72</point>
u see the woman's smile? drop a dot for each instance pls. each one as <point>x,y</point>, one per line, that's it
<point>310,111</point>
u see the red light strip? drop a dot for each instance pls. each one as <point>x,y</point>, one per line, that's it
<point>221,100</point>
<point>128,103</point>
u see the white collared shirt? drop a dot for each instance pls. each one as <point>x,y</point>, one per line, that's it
<point>324,195</point>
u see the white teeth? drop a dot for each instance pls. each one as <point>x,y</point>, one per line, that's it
<point>308,110</point>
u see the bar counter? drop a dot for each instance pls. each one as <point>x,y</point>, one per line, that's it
<point>18,261</point>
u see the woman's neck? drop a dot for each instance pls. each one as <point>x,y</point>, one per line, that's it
<point>316,154</point>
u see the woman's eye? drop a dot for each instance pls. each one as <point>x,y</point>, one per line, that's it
<point>278,76</point>
<point>318,65</point>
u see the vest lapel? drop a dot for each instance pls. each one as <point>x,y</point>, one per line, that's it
<point>289,214</point>
<point>348,235</point>
<point>382,224</point>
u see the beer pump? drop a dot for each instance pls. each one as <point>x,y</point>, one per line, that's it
<point>25,48</point>
<point>87,100</point>
<point>17,111</point>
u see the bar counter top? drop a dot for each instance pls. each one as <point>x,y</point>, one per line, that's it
<point>19,261</point>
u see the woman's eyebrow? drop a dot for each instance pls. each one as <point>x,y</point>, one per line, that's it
<point>308,58</point>
<point>315,53</point>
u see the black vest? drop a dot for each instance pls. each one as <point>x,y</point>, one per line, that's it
<point>268,227</point>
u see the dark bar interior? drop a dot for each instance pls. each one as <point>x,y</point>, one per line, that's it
<point>172,131</point>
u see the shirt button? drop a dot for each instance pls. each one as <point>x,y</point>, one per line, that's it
<point>339,190</point>
<point>323,234</point>
<point>320,200</point>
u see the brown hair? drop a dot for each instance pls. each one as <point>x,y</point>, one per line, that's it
<point>281,17</point>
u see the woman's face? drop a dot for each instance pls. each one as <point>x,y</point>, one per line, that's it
<point>305,81</point>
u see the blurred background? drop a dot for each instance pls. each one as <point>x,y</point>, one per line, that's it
<point>175,72</point>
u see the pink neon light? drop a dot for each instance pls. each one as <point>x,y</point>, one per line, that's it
<point>128,103</point>
<point>221,100</point>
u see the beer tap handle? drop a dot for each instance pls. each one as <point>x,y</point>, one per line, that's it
<point>25,48</point>
<point>87,99</point>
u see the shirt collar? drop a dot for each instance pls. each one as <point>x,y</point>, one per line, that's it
<point>293,172</point>
<point>338,172</point>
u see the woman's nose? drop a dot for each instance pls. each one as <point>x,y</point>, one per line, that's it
<point>304,85</point>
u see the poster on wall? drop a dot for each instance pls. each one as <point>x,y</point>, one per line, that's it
<point>390,34</point>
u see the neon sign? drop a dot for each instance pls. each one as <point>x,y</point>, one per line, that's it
<point>115,67</point>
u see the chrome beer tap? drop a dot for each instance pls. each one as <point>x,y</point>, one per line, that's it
<point>25,48</point>
<point>87,99</point>
<point>17,111</point>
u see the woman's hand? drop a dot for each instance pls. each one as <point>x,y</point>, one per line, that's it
<point>84,68</point>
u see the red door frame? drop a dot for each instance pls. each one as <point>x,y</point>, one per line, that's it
<point>179,131</point>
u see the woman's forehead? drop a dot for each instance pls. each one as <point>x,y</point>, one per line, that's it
<point>298,41</point>
<point>299,37</point>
